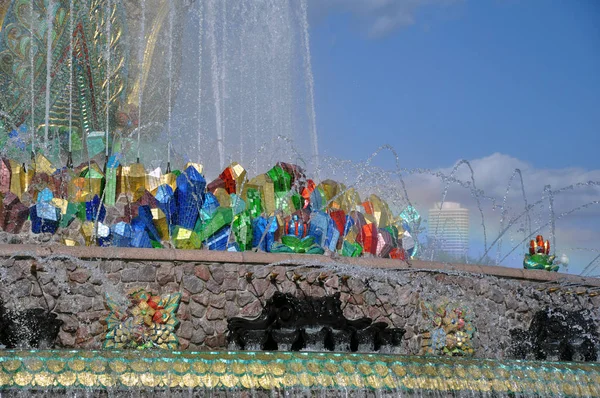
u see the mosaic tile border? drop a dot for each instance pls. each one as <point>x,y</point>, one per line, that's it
<point>104,370</point>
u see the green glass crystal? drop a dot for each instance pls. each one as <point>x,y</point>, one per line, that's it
<point>242,229</point>
<point>223,216</point>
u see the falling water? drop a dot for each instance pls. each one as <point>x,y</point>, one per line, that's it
<point>108,70</point>
<point>548,190</point>
<point>211,16</point>
<point>142,44</point>
<point>310,84</point>
<point>505,208</point>
<point>170,104</point>
<point>200,38</point>
<point>70,76</point>
<point>32,70</point>
<point>252,86</point>
<point>49,29</point>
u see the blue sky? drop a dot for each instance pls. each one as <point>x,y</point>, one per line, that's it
<point>464,80</point>
<point>503,83</point>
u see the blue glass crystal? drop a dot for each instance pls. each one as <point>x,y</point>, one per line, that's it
<point>91,210</point>
<point>140,239</point>
<point>122,234</point>
<point>45,218</point>
<point>166,202</point>
<point>45,196</point>
<point>259,225</point>
<point>272,227</point>
<point>349,224</point>
<point>144,221</point>
<point>113,161</point>
<point>219,240</point>
<point>333,235</point>
<point>209,207</point>
<point>317,201</point>
<point>319,223</point>
<point>189,196</point>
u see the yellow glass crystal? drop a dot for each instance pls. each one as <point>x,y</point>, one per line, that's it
<point>160,222</point>
<point>223,197</point>
<point>381,211</point>
<point>88,232</point>
<point>70,242</point>
<point>43,165</point>
<point>197,166</point>
<point>62,204</point>
<point>169,179</point>
<point>153,180</point>
<point>331,189</point>
<point>349,200</point>
<point>133,178</point>
<point>186,239</point>
<point>17,177</point>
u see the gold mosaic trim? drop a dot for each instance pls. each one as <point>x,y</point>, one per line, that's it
<point>280,370</point>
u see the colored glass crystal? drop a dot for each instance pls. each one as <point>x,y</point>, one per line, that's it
<point>367,238</point>
<point>145,219</point>
<point>133,178</point>
<point>184,238</point>
<point>165,199</point>
<point>209,207</point>
<point>219,240</point>
<point>45,218</point>
<point>160,222</point>
<point>113,169</point>
<point>265,185</point>
<point>222,217</point>
<point>122,234</point>
<point>233,178</point>
<point>296,226</point>
<point>238,205</point>
<point>153,180</point>
<point>351,249</point>
<point>242,229</point>
<point>17,180</point>
<point>384,243</point>
<point>14,214</point>
<point>189,197</point>
<point>94,210</point>
<point>282,181</point>
<point>5,175</point>
<point>254,202</point>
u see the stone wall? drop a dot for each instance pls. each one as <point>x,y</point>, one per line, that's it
<point>215,291</point>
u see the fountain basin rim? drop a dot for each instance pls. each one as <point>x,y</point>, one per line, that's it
<point>209,256</point>
<point>233,370</point>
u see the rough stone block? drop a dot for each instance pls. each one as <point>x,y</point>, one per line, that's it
<point>147,273</point>
<point>80,276</point>
<point>193,284</point>
<point>129,275</point>
<point>186,330</point>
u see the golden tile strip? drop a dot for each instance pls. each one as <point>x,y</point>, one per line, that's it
<point>283,370</point>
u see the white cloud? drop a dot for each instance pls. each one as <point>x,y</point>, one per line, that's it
<point>492,174</point>
<point>381,16</point>
<point>580,229</point>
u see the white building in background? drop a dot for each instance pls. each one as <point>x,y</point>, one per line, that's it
<point>448,228</point>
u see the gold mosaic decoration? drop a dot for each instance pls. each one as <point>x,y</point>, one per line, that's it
<point>283,370</point>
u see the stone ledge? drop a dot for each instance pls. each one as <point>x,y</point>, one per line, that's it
<point>207,256</point>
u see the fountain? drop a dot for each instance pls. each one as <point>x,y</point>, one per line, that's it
<point>127,268</point>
